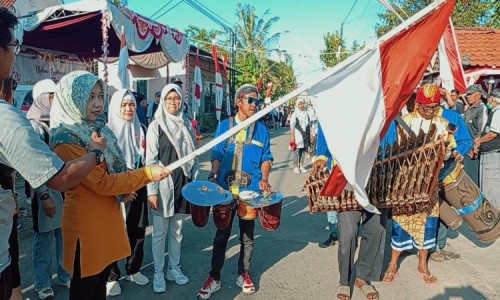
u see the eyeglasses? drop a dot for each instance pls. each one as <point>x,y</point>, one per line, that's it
<point>176,99</point>
<point>252,100</point>
<point>16,48</point>
<point>427,108</point>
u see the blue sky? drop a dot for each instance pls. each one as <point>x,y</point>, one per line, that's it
<point>306,22</point>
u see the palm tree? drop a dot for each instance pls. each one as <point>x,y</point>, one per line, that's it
<point>253,33</point>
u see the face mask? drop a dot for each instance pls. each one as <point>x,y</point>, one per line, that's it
<point>489,106</point>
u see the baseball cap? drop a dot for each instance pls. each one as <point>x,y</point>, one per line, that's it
<point>495,93</point>
<point>475,88</point>
<point>175,80</point>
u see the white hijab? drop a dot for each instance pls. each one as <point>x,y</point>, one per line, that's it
<point>302,115</point>
<point>178,130</point>
<point>129,133</point>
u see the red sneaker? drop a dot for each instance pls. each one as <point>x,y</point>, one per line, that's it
<point>209,287</point>
<point>245,283</point>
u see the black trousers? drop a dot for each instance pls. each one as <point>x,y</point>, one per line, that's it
<point>134,262</point>
<point>247,228</point>
<point>87,288</point>
<point>137,221</point>
<point>6,284</point>
<point>15,273</point>
<point>372,245</point>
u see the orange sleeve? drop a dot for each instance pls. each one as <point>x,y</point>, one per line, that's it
<point>102,182</point>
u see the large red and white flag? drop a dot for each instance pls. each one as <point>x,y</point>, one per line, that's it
<point>197,84</point>
<point>219,93</point>
<point>357,99</point>
<point>450,67</point>
<point>123,62</point>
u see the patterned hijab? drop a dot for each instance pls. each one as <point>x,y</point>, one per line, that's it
<point>178,130</point>
<point>40,110</point>
<point>69,123</point>
<point>128,133</point>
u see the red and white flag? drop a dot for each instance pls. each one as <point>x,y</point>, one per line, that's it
<point>356,100</point>
<point>219,93</point>
<point>123,62</point>
<point>228,97</point>
<point>197,84</point>
<point>450,67</point>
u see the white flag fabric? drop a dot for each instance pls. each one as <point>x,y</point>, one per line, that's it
<point>450,66</point>
<point>356,102</point>
<point>219,95</point>
<point>123,58</point>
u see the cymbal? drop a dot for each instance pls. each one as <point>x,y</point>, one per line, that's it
<point>256,200</point>
<point>205,193</point>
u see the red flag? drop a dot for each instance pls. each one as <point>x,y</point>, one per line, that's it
<point>381,79</point>
<point>214,55</point>
<point>450,66</point>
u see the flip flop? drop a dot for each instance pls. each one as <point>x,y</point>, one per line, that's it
<point>343,292</point>
<point>368,289</point>
<point>428,279</point>
<point>390,276</point>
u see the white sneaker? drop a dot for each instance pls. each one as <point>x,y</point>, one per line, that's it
<point>138,278</point>
<point>113,288</point>
<point>303,170</point>
<point>209,287</point>
<point>245,283</point>
<point>45,293</point>
<point>66,284</point>
<point>296,170</point>
<point>159,284</point>
<point>176,275</point>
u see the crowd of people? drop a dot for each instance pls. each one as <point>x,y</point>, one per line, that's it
<point>100,180</point>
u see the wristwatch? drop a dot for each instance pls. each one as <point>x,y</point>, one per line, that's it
<point>99,156</point>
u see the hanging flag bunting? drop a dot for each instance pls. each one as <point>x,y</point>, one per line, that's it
<point>219,93</point>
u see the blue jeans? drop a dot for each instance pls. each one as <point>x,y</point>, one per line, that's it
<point>42,245</point>
<point>333,222</point>
<point>442,236</point>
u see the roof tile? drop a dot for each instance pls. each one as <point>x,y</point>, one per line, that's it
<point>7,3</point>
<point>479,45</point>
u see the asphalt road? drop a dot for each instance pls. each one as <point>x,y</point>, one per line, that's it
<point>288,264</point>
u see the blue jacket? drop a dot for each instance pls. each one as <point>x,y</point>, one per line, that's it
<point>254,154</point>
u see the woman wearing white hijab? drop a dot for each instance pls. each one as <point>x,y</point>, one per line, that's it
<point>300,132</point>
<point>124,123</point>
<point>169,138</point>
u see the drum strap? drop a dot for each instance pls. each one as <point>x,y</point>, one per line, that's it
<point>238,150</point>
<point>471,207</point>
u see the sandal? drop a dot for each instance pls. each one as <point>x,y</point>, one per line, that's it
<point>437,256</point>
<point>368,291</point>
<point>390,276</point>
<point>344,292</point>
<point>428,279</point>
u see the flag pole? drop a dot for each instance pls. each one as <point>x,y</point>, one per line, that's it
<point>306,86</point>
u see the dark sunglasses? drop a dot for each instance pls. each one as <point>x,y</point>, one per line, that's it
<point>252,100</point>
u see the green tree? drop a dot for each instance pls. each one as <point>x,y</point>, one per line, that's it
<point>335,50</point>
<point>253,34</point>
<point>467,13</point>
<point>202,39</point>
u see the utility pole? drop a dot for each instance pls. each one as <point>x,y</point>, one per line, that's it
<point>232,78</point>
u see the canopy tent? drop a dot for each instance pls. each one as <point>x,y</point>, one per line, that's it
<point>83,28</point>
